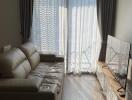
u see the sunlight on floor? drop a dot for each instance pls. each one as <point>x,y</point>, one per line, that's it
<point>85,87</point>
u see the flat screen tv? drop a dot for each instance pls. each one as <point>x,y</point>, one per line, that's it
<point>117,57</point>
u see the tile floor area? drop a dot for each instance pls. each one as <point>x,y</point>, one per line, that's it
<point>85,87</point>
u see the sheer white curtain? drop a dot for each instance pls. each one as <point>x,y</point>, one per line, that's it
<point>83,37</point>
<point>48,32</point>
<point>68,29</point>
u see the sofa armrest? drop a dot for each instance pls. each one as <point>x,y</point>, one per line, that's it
<point>50,58</point>
<point>18,85</point>
<point>59,59</point>
<point>47,57</point>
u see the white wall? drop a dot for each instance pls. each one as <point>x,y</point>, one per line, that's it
<point>124,26</point>
<point>124,20</point>
<point>9,22</point>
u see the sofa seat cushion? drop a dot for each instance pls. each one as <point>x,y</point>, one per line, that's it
<point>37,79</point>
<point>52,81</point>
<point>46,78</point>
<point>51,67</point>
<point>55,70</point>
<point>45,70</point>
<point>37,72</point>
<point>57,67</point>
<point>47,82</point>
<point>44,66</point>
<point>58,76</point>
<point>42,73</point>
<point>51,88</point>
<point>54,78</point>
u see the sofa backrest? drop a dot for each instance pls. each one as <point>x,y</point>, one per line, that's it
<point>31,53</point>
<point>14,64</point>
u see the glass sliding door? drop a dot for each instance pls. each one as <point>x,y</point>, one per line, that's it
<point>82,35</point>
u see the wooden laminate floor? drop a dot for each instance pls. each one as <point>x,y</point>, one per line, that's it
<point>85,87</point>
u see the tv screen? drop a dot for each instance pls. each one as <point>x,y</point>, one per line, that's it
<point>117,56</point>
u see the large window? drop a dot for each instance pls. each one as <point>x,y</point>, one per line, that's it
<point>82,38</point>
<point>67,27</point>
<point>47,27</point>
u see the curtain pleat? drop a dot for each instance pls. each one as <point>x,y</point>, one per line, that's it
<point>82,35</point>
<point>106,10</point>
<point>26,7</point>
<point>48,27</point>
<point>67,27</point>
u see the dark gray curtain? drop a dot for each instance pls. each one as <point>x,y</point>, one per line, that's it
<point>106,10</point>
<point>26,9</point>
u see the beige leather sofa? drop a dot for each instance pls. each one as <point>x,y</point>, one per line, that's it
<point>26,74</point>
